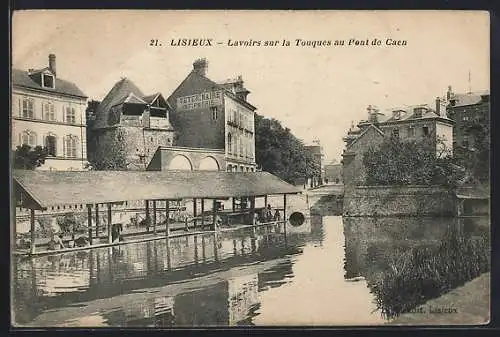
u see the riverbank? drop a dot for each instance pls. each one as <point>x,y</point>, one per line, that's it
<point>466,305</point>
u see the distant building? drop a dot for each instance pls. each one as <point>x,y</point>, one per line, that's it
<point>333,173</point>
<point>48,111</point>
<point>216,117</point>
<point>409,123</point>
<point>138,122</point>
<point>316,151</point>
<point>464,110</point>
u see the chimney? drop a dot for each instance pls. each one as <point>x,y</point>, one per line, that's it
<point>201,66</point>
<point>52,63</point>
<point>438,106</point>
<point>449,93</point>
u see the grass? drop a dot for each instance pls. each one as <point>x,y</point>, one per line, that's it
<point>422,273</point>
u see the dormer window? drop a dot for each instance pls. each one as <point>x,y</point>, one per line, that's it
<point>396,114</point>
<point>48,81</point>
<point>419,112</point>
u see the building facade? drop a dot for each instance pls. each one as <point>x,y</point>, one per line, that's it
<point>333,173</point>
<point>412,123</point>
<point>48,111</point>
<point>466,110</point>
<point>130,122</point>
<point>316,177</point>
<point>215,116</point>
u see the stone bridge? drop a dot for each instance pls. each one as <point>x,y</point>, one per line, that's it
<point>187,158</point>
<point>326,199</point>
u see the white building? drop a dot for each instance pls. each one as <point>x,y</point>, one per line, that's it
<point>49,112</point>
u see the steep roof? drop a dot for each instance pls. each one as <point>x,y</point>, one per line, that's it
<point>42,189</point>
<point>21,78</point>
<point>196,83</point>
<point>363,133</point>
<point>468,99</point>
<point>122,90</point>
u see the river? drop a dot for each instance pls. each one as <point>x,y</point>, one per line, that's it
<point>329,271</point>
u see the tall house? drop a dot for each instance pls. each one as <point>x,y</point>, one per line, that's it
<point>416,122</point>
<point>215,116</point>
<point>129,121</point>
<point>466,110</point>
<point>48,111</point>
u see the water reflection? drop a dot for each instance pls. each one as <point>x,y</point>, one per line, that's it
<point>330,271</point>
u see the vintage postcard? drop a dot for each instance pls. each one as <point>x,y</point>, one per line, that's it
<point>250,168</point>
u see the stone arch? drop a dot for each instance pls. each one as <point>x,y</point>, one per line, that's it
<point>180,162</point>
<point>229,168</point>
<point>209,163</point>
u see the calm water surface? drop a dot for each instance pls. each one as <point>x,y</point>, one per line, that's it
<point>329,271</point>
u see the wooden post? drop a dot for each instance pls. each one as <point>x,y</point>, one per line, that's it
<point>110,220</point>
<point>196,257</point>
<point>89,221</point>
<point>154,217</point>
<point>32,225</point>
<point>233,203</point>
<point>194,212</point>
<point>214,214</point>
<point>265,201</point>
<point>148,218</point>
<point>167,218</point>
<point>284,215</point>
<point>97,221</point>
<point>216,249</point>
<point>169,262</point>
<point>252,210</point>
<point>203,253</point>
<point>14,226</point>
<point>202,213</point>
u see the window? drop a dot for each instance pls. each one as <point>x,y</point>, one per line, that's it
<point>395,133</point>
<point>235,150</point>
<point>48,111</point>
<point>28,108</point>
<point>425,130</point>
<point>51,145</point>
<point>28,137</point>
<point>229,143</point>
<point>411,131</point>
<point>70,115</point>
<point>241,147</point>
<point>71,146</point>
<point>214,112</point>
<point>48,81</point>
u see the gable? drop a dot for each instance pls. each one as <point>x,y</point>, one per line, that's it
<point>193,84</point>
<point>371,135</point>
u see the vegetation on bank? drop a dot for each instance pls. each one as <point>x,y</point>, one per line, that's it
<point>419,274</point>
<point>410,162</point>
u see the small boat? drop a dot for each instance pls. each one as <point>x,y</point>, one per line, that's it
<point>355,279</point>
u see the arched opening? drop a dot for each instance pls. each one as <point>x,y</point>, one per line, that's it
<point>297,219</point>
<point>229,168</point>
<point>180,162</point>
<point>209,164</point>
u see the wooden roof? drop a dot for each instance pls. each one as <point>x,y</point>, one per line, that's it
<point>42,189</point>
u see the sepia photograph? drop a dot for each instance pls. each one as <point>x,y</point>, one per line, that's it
<point>231,168</point>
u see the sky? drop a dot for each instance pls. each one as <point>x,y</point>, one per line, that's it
<point>316,92</point>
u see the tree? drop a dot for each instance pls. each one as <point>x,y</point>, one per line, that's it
<point>279,152</point>
<point>476,160</point>
<point>27,158</point>
<point>397,162</point>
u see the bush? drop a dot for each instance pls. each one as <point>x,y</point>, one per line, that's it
<point>423,273</point>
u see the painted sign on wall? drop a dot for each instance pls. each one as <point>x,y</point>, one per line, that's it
<point>199,101</point>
